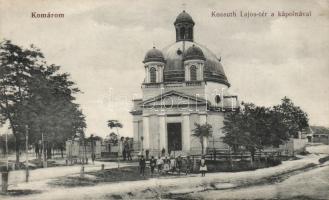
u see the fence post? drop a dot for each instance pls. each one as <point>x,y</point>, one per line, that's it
<point>82,171</point>
<point>194,164</point>
<point>4,178</point>
<point>231,162</point>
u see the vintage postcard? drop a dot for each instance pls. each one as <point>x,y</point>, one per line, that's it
<point>155,99</point>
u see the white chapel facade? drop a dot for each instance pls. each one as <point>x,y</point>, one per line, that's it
<point>184,84</point>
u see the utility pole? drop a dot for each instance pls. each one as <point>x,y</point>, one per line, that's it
<point>44,158</point>
<point>142,138</point>
<point>214,149</point>
<point>70,150</point>
<point>83,155</point>
<point>27,153</point>
<point>5,174</point>
<point>119,149</point>
<point>231,162</point>
<point>7,154</point>
<point>92,148</point>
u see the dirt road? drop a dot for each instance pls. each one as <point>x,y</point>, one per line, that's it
<point>305,178</point>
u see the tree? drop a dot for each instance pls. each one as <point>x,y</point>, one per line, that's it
<point>16,67</point>
<point>319,130</point>
<point>94,137</point>
<point>202,131</point>
<point>34,93</point>
<point>115,124</point>
<point>254,127</point>
<point>245,128</point>
<point>235,135</point>
<point>10,143</point>
<point>113,138</point>
<point>294,118</point>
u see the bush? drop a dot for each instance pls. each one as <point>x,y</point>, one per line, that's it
<point>242,165</point>
<point>323,160</point>
<point>271,161</point>
<point>304,153</point>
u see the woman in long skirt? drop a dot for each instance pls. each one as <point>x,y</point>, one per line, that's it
<point>166,166</point>
<point>160,164</point>
<point>172,164</point>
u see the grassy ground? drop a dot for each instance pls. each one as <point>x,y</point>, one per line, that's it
<point>33,164</point>
<point>19,192</point>
<point>130,173</point>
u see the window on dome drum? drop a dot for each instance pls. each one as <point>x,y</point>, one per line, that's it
<point>176,32</point>
<point>153,76</point>
<point>193,73</point>
<point>217,99</point>
<point>182,33</point>
<point>190,33</point>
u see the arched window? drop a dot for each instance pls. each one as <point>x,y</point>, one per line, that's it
<point>193,73</point>
<point>218,99</point>
<point>153,75</point>
<point>182,33</point>
<point>190,33</point>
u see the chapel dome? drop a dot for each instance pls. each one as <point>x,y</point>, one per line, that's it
<point>193,53</point>
<point>184,17</point>
<point>154,55</point>
<point>174,57</point>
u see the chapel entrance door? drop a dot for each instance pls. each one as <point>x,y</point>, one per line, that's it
<point>174,131</point>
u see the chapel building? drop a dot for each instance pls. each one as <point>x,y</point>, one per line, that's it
<point>184,84</point>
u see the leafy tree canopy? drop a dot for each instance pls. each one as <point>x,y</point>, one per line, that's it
<point>253,127</point>
<point>37,95</point>
<point>202,131</point>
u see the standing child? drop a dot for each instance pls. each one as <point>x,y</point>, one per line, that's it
<point>188,165</point>
<point>203,166</point>
<point>159,164</point>
<point>142,165</point>
<point>93,157</point>
<point>152,165</point>
<point>179,164</point>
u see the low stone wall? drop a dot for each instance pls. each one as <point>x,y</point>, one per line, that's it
<point>293,146</point>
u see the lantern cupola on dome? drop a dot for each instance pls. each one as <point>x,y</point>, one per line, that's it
<point>184,27</point>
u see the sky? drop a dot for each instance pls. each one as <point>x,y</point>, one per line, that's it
<point>102,45</point>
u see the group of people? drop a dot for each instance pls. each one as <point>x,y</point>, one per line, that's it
<point>164,165</point>
<point>126,151</point>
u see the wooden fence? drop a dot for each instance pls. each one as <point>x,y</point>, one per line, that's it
<point>225,154</point>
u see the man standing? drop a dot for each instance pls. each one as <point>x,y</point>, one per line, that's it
<point>188,165</point>
<point>124,150</point>
<point>152,165</point>
<point>142,164</point>
<point>36,147</point>
<point>93,155</point>
<point>128,149</point>
<point>179,163</point>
